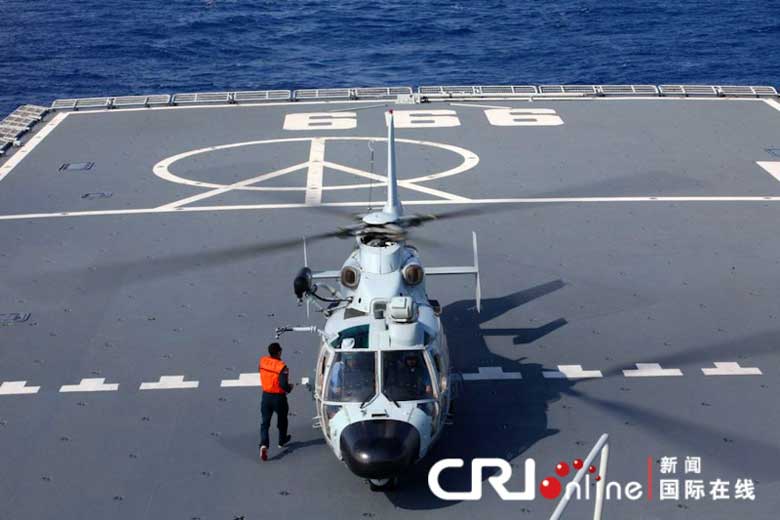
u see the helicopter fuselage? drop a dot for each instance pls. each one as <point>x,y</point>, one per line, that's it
<point>382,376</point>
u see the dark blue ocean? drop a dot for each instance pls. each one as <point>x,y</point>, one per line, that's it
<point>79,48</point>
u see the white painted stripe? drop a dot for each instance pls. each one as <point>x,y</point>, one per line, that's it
<point>729,368</point>
<point>772,103</point>
<point>17,388</point>
<point>169,383</point>
<point>428,202</point>
<point>30,145</point>
<point>240,184</point>
<point>245,379</point>
<point>652,370</point>
<point>314,173</point>
<point>646,198</point>
<point>476,105</point>
<point>403,184</point>
<point>97,384</point>
<point>772,167</point>
<point>491,373</point>
<point>571,372</point>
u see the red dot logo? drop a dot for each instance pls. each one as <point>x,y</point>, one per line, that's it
<point>577,464</point>
<point>550,488</point>
<point>591,469</point>
<point>562,469</point>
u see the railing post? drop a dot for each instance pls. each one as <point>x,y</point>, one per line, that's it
<point>602,483</point>
<point>600,445</point>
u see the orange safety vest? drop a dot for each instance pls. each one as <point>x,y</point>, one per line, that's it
<point>270,368</point>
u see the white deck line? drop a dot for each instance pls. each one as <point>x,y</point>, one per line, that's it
<point>772,103</point>
<point>431,202</point>
<point>771,167</point>
<point>314,173</point>
<point>475,105</point>
<point>30,145</point>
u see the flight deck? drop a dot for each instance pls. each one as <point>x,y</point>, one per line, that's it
<point>629,258</point>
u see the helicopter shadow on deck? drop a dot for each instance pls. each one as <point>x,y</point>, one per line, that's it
<point>492,418</point>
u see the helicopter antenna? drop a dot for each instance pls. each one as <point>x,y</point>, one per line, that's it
<point>393,206</point>
<point>371,179</point>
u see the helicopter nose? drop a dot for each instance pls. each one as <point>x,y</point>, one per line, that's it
<point>379,449</point>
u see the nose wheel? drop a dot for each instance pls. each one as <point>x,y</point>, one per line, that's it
<point>383,484</point>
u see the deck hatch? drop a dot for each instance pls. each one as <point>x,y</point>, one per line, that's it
<point>97,195</point>
<point>77,167</point>
<point>13,318</point>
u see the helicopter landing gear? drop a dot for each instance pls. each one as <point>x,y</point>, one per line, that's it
<point>383,484</point>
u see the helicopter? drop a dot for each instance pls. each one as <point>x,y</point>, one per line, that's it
<point>382,382</point>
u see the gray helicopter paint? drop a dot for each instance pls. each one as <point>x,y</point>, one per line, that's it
<point>604,284</point>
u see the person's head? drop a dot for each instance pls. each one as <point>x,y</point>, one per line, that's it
<point>275,350</point>
<point>411,361</point>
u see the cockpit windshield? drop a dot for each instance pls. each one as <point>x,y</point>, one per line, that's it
<point>406,376</point>
<point>352,377</point>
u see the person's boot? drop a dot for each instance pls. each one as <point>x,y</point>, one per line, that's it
<point>283,442</point>
<point>264,453</point>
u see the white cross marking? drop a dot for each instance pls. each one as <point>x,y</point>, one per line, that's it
<point>728,368</point>
<point>571,372</point>
<point>169,383</point>
<point>250,379</point>
<point>652,370</point>
<point>17,388</point>
<point>97,384</point>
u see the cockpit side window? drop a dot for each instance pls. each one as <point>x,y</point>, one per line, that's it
<point>405,376</point>
<point>352,377</point>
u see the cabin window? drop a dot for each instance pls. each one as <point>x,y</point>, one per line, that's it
<point>358,333</point>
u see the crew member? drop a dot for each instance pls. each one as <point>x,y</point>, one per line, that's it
<point>274,376</point>
<point>410,381</point>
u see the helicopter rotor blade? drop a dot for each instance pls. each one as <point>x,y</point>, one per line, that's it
<point>760,344</point>
<point>734,450</point>
<point>151,268</point>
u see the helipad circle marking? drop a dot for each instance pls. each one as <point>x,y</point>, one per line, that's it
<point>162,168</point>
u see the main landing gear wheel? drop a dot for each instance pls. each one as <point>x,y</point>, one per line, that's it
<point>383,484</point>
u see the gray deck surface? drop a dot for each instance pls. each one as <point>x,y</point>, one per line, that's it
<point>604,284</point>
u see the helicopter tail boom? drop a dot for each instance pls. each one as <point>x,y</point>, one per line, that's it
<point>393,206</point>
